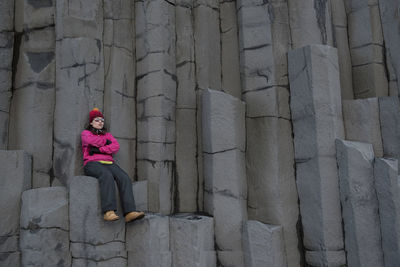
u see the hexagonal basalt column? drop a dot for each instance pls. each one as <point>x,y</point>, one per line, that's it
<point>156,100</point>
<point>224,172</point>
<point>16,170</point>
<point>388,192</point>
<point>317,121</point>
<point>45,227</point>
<point>359,204</point>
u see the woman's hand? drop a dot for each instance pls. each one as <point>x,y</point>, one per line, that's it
<point>94,150</point>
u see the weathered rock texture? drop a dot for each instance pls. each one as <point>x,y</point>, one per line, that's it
<point>389,115</point>
<point>359,204</point>
<point>386,185</point>
<point>192,241</point>
<point>264,42</point>
<point>389,11</point>
<point>6,58</point>
<point>366,48</point>
<point>34,87</point>
<point>361,122</point>
<point>156,100</point>
<point>79,80</point>
<point>310,22</point>
<point>225,190</point>
<point>317,122</point>
<point>257,238</point>
<point>44,239</point>
<point>16,169</point>
<point>119,83</point>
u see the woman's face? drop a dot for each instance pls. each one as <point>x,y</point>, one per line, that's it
<point>97,123</point>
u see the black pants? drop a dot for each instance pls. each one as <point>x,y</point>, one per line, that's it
<point>106,174</point>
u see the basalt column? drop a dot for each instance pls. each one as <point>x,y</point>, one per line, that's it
<point>79,79</point>
<point>264,42</point>
<point>119,87</point>
<point>156,100</point>
<point>6,55</point>
<point>310,22</point>
<point>366,48</point>
<point>317,121</point>
<point>31,114</point>
<point>188,195</point>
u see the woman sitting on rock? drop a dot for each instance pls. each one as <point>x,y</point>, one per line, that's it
<point>98,147</point>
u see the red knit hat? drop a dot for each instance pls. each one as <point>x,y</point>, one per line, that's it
<point>94,114</point>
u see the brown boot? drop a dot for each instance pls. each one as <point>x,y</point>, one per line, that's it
<point>134,215</point>
<point>110,216</point>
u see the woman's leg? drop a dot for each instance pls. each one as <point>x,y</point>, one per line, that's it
<point>124,184</point>
<point>106,184</point>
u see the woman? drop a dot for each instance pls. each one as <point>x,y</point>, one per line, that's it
<point>98,147</point>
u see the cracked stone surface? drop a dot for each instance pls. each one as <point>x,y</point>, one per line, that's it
<point>361,122</point>
<point>317,121</point>
<point>156,100</point>
<point>359,203</point>
<point>388,193</point>
<point>190,231</point>
<point>224,172</point>
<point>310,22</point>
<point>257,238</point>
<point>366,49</point>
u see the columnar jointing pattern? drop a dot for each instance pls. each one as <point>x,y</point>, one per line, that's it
<point>264,40</point>
<point>388,192</point>
<point>359,204</point>
<point>187,176</point>
<point>79,79</point>
<point>225,190</point>
<point>156,100</point>
<point>119,87</point>
<point>6,55</point>
<point>310,22</point>
<point>32,104</point>
<point>16,169</point>
<point>390,16</point>
<point>341,42</point>
<point>317,122</point>
<point>45,227</point>
<point>366,48</point>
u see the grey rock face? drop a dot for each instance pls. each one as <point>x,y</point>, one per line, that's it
<point>34,88</point>
<point>366,41</point>
<point>16,169</point>
<point>359,204</point>
<point>386,185</point>
<point>207,43</point>
<point>79,79</point>
<point>116,262</point>
<point>119,84</point>
<point>389,16</point>
<point>186,126</point>
<point>6,56</point>
<point>389,115</point>
<point>317,122</point>
<point>141,195</point>
<point>230,69</point>
<point>86,220</point>
<point>264,41</point>
<point>341,42</point>
<point>263,245</point>
<point>310,22</point>
<point>224,172</point>
<point>192,241</point>
<point>147,242</point>
<point>156,100</point>
<point>361,122</point>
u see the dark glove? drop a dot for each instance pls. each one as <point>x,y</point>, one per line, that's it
<point>94,150</point>
<point>108,142</point>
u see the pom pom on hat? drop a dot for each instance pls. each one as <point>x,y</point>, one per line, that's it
<point>94,114</point>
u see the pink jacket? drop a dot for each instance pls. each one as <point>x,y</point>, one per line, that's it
<point>90,139</point>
